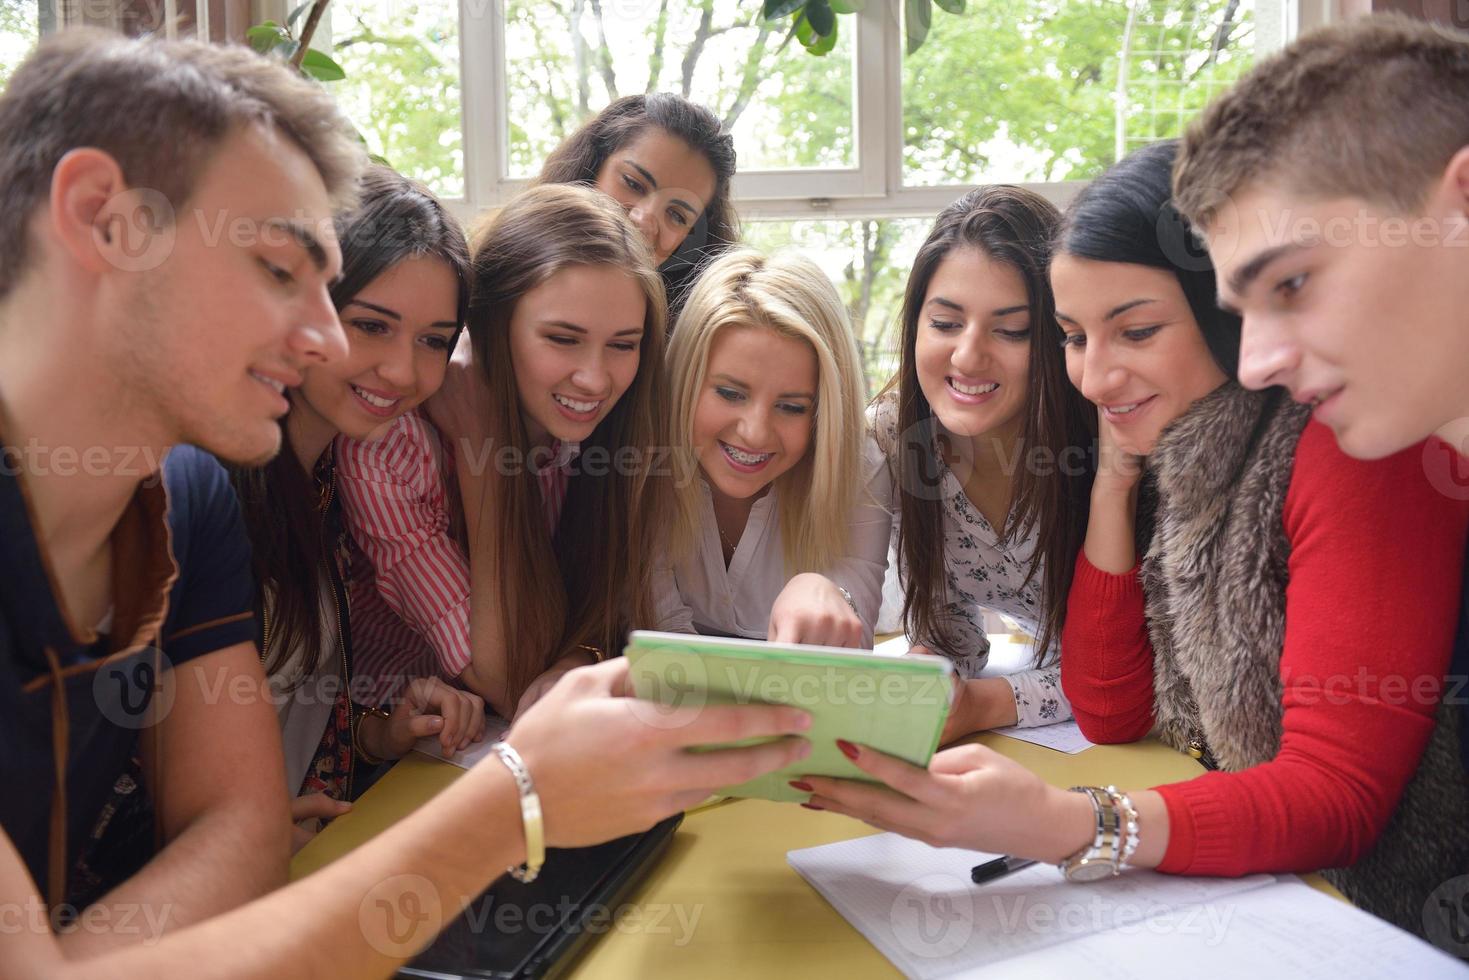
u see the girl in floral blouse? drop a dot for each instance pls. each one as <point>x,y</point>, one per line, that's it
<point>987,445</point>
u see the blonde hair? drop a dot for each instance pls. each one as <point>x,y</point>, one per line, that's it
<point>788,294</point>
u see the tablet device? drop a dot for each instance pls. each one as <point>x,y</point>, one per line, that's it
<point>516,931</point>
<point>896,705</point>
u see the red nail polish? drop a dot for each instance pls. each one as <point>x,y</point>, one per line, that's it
<point>813,806</point>
<point>803,787</point>
<point>848,749</point>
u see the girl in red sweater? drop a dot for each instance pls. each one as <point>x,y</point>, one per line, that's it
<point>1231,597</point>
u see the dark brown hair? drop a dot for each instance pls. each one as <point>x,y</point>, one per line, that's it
<point>1012,226</point>
<point>588,584</point>
<point>1372,108</point>
<point>159,108</point>
<point>397,219</point>
<point>579,159</point>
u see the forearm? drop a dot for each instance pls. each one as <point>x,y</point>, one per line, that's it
<point>223,860</point>
<point>1071,824</point>
<point>1107,663</point>
<point>356,918</point>
<point>989,702</point>
<point>1035,698</point>
<point>1111,528</point>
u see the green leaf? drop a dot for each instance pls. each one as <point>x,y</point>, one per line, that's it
<point>296,14</point>
<point>820,17</point>
<point>849,6</point>
<point>952,6</point>
<point>817,44</point>
<point>917,16</point>
<point>264,37</point>
<point>321,67</point>
<point>776,9</point>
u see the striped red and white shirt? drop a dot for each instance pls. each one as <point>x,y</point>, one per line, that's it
<point>409,586</point>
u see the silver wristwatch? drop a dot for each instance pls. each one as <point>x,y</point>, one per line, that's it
<point>1102,858</point>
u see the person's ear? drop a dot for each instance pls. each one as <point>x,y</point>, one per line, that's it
<point>1455,182</point>
<point>103,224</point>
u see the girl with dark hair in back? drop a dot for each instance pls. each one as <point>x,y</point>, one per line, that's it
<point>1230,596</point>
<point>669,163</point>
<point>402,298</point>
<point>988,444</point>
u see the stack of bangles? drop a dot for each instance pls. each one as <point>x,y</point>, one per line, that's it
<point>1116,838</point>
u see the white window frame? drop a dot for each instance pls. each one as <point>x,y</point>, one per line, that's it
<point>872,189</point>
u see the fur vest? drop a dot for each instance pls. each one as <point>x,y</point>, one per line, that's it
<point>1214,578</point>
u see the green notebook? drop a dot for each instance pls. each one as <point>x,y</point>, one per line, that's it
<point>894,704</point>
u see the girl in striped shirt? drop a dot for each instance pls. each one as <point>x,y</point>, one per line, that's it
<point>401,299</point>
<point>534,488</point>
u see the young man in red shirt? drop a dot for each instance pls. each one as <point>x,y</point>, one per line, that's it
<point>1332,188</point>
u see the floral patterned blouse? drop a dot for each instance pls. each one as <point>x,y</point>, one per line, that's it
<point>981,575</point>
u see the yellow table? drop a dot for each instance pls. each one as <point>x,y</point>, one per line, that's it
<point>723,902</point>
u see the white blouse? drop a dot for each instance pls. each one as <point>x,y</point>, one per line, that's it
<point>698,594</point>
<point>981,574</point>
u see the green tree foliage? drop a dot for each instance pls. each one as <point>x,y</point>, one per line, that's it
<point>19,26</point>
<point>1028,90</point>
<point>568,58</point>
<point>402,84</point>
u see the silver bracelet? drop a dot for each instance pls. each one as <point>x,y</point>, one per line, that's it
<point>1129,821</point>
<point>1099,859</point>
<point>850,601</point>
<point>530,814</point>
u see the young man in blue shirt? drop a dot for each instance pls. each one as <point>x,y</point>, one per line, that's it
<point>164,267</point>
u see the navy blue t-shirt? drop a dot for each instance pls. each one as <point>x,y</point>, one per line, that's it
<point>183,539</point>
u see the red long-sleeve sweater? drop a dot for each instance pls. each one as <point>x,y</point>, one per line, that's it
<point>1371,607</point>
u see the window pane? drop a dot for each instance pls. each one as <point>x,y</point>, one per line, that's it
<point>19,28</point>
<point>868,260</point>
<point>1017,90</point>
<point>402,86</point>
<point>566,59</point>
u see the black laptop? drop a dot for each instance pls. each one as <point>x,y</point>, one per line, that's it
<point>537,930</point>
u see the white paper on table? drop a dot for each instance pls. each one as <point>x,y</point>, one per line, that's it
<point>1288,929</point>
<point>1065,737</point>
<point>917,905</point>
<point>1007,654</point>
<point>495,728</point>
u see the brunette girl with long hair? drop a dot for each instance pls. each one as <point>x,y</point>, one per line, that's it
<point>989,448</point>
<point>669,163</point>
<point>545,433</point>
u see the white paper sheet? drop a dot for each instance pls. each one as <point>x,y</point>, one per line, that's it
<point>1065,737</point>
<point>917,905</point>
<point>1283,930</point>
<point>494,728</point>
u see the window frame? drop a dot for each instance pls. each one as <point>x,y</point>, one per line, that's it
<point>872,189</point>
